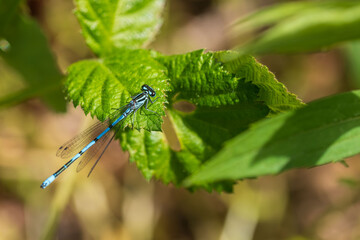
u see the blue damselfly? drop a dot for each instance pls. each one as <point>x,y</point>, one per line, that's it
<point>90,141</point>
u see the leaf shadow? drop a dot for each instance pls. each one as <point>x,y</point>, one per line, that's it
<point>308,138</point>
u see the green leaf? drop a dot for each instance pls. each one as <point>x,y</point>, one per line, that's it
<point>324,131</point>
<point>310,27</point>
<point>352,51</point>
<point>151,153</point>
<point>28,53</point>
<point>272,92</point>
<point>7,12</point>
<point>268,16</point>
<point>101,85</point>
<point>27,93</point>
<point>118,23</point>
<point>226,105</point>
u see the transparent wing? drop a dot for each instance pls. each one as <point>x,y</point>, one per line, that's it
<point>78,142</point>
<point>97,160</point>
<point>94,151</point>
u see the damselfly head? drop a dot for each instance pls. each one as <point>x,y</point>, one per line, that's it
<point>146,88</point>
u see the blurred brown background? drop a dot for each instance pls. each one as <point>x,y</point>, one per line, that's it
<point>117,203</point>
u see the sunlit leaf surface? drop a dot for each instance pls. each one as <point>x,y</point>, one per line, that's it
<point>325,131</point>
<point>118,23</point>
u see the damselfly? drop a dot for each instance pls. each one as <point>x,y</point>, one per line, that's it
<point>92,139</point>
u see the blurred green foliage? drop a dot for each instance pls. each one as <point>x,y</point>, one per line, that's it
<point>29,54</point>
<point>301,26</point>
<point>352,51</point>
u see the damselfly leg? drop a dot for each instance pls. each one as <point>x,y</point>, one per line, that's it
<point>152,102</point>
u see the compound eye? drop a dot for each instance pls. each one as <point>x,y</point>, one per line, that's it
<point>144,87</point>
<point>152,94</point>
